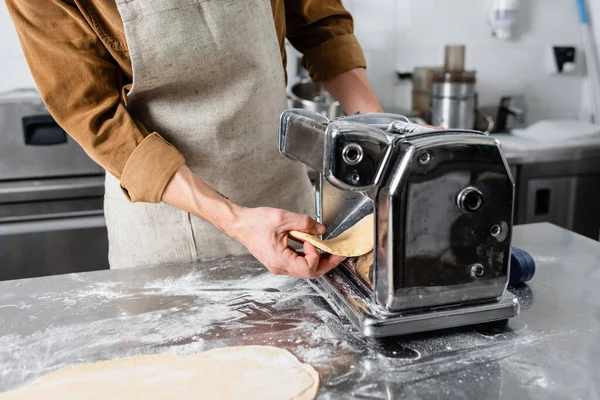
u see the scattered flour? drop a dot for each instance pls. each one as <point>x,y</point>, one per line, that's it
<point>193,312</point>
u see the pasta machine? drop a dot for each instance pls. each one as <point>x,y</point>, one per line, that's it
<point>443,207</point>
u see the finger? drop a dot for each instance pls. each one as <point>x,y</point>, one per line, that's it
<point>302,223</point>
<point>312,256</point>
<point>283,267</point>
<point>293,263</point>
<point>298,266</point>
<point>326,264</point>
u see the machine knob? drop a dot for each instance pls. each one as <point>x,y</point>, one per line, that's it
<point>522,266</point>
<point>352,154</point>
<point>469,200</point>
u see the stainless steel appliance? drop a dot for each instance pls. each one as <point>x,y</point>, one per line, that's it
<point>312,96</point>
<point>453,94</point>
<point>453,100</point>
<point>564,192</point>
<point>51,195</point>
<point>557,182</point>
<point>443,206</point>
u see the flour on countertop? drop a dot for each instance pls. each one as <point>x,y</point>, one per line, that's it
<point>182,314</point>
<point>187,311</point>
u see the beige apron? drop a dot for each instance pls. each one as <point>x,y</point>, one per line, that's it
<point>208,76</point>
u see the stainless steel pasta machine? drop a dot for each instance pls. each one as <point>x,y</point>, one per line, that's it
<point>443,207</point>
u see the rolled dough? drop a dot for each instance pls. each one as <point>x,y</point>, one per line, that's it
<point>245,372</point>
<point>363,267</point>
<point>356,241</point>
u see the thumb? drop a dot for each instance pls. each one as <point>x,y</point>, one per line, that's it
<point>311,255</point>
<point>302,223</point>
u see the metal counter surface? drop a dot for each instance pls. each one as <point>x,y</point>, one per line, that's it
<point>518,150</point>
<point>552,350</point>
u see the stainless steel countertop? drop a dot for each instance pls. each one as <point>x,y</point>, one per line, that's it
<point>518,150</point>
<point>550,351</point>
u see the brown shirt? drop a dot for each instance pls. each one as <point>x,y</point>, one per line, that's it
<point>78,56</point>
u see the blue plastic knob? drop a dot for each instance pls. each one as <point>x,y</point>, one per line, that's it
<point>522,266</point>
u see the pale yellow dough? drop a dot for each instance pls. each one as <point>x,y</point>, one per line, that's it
<point>356,241</point>
<point>246,372</point>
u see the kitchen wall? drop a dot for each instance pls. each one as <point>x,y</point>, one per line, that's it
<point>14,72</point>
<point>400,34</point>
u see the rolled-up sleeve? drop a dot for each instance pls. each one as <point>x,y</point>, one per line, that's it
<point>80,83</point>
<point>323,31</point>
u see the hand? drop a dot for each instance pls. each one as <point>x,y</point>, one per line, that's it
<point>264,232</point>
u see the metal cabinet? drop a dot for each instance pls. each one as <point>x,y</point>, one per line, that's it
<point>53,226</point>
<point>73,243</point>
<point>33,145</point>
<point>564,193</point>
<point>51,195</point>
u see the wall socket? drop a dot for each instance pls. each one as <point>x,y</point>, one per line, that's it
<point>561,60</point>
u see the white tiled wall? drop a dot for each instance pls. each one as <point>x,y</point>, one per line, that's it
<point>398,35</point>
<point>14,72</point>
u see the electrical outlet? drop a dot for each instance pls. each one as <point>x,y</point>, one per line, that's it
<point>561,60</point>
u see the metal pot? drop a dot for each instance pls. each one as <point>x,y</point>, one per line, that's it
<point>453,105</point>
<point>312,96</point>
<point>454,102</point>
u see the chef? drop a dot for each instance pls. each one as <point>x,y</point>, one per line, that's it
<point>179,101</point>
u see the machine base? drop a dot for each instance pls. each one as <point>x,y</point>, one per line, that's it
<point>372,321</point>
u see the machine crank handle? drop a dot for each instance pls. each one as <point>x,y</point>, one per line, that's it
<point>522,266</point>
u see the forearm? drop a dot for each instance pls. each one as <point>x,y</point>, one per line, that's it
<point>353,91</point>
<point>187,191</point>
<point>262,230</point>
